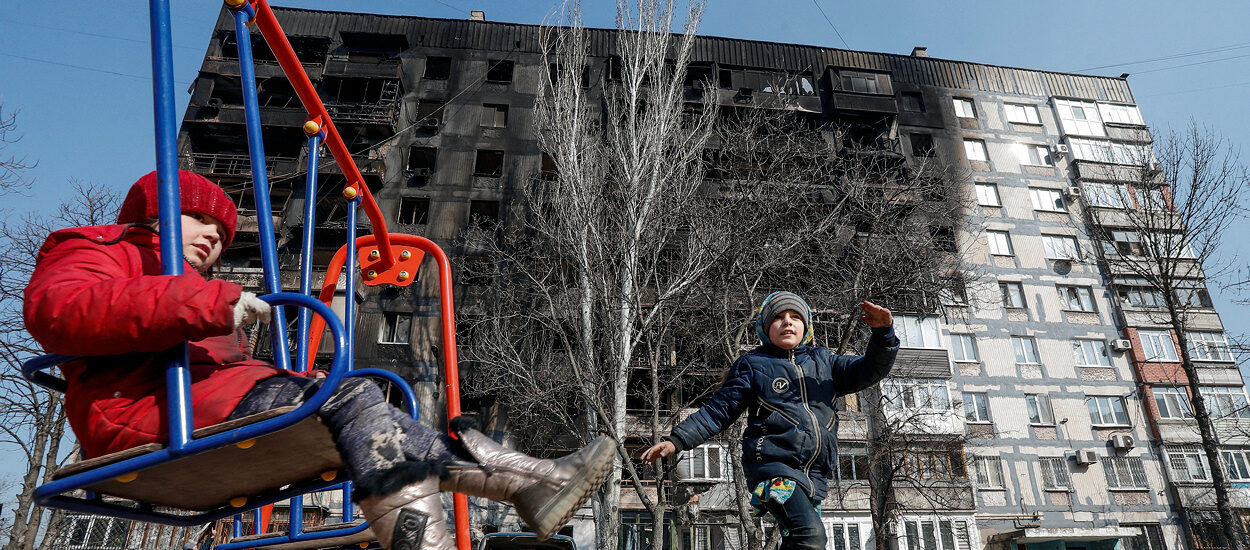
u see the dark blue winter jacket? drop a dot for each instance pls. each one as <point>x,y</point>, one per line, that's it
<point>792,428</point>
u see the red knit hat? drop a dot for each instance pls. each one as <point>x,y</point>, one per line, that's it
<point>199,196</point>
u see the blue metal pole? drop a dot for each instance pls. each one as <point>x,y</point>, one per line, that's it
<point>260,180</point>
<point>236,529</point>
<point>256,526</point>
<point>177,377</point>
<point>295,527</point>
<point>349,320</point>
<point>306,251</point>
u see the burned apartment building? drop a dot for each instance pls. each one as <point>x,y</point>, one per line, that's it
<point>1072,432</point>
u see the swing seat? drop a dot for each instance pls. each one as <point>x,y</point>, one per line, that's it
<point>224,475</point>
<point>365,535</point>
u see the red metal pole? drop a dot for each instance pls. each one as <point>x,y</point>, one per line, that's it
<point>276,38</point>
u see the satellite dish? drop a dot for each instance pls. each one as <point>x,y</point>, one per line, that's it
<point>1063,267</point>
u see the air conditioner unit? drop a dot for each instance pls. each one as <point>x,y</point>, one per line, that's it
<point>1086,457</point>
<point>429,123</point>
<point>1072,191</point>
<point>1122,441</point>
<point>421,172</point>
<point>1059,149</point>
<point>1121,344</point>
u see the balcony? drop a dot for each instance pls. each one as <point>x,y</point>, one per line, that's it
<point>265,68</point>
<point>382,113</point>
<point>1128,132</point>
<point>231,164</point>
<point>1087,170</point>
<point>387,68</point>
<point>215,111</point>
<point>922,363</point>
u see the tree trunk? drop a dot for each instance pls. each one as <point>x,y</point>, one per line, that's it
<point>27,517</point>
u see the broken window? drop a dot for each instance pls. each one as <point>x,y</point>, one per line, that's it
<point>499,70</point>
<point>478,271</point>
<point>698,75</point>
<point>396,328</point>
<point>488,163</point>
<point>361,90</point>
<point>437,68</point>
<point>414,211</point>
<point>227,90</point>
<point>369,47</point>
<point>485,212</point>
<point>554,69</point>
<point>922,145</point>
<point>494,115</point>
<point>430,112</point>
<point>277,92</point>
<point>549,170</point>
<point>421,160</point>
<point>913,102</point>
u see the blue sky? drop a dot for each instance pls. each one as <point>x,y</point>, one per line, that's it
<point>78,72</point>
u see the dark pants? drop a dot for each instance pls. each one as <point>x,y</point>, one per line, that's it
<point>801,521</point>
<point>369,433</point>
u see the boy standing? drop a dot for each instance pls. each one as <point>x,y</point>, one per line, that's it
<point>788,388</point>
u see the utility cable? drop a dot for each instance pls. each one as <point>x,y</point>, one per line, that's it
<point>92,69</point>
<point>831,25</point>
<point>1217,49</point>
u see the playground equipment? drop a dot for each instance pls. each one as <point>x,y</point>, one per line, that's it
<point>287,451</point>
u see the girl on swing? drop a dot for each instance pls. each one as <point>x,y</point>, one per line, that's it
<point>97,292</point>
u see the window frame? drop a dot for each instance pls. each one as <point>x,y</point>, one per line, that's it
<point>702,455</point>
<point>1053,200</point>
<point>980,185</point>
<point>1006,239</point>
<point>1034,154</point>
<point>1181,460</point>
<point>1154,341</point>
<point>976,405</point>
<point>1006,288</point>
<point>1173,400</point>
<point>1124,472</point>
<point>1061,247</point>
<point>925,326</point>
<point>1201,343</point>
<point>1038,404</point>
<point>1110,418</point>
<point>989,472</point>
<point>1068,292</point>
<point>1024,108</point>
<point>1080,353</point>
<point>935,533</point>
<point>966,344</point>
<point>980,150</point>
<point>1226,401</point>
<point>1055,475</point>
<point>1236,463</point>
<point>965,107</point>
<point>896,392</point>
<point>498,112</point>
<point>1103,194</point>
<point>389,328</point>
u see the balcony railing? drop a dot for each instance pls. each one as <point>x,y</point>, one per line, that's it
<point>364,113</point>
<point>228,164</point>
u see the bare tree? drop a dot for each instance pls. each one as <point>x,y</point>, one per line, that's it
<point>12,167</point>
<point>32,418</point>
<point>1160,226</point>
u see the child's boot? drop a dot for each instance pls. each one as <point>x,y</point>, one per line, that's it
<point>545,493</point>
<point>404,509</point>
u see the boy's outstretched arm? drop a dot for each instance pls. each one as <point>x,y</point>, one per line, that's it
<point>720,410</point>
<point>852,374</point>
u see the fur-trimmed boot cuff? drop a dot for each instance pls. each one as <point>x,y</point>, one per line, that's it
<point>388,481</point>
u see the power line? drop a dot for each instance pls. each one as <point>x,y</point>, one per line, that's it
<point>1194,63</point>
<point>459,9</point>
<point>1217,49</point>
<point>85,33</point>
<point>1195,90</point>
<point>82,68</point>
<point>830,21</point>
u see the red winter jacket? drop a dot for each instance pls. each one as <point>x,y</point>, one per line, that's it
<point>97,291</point>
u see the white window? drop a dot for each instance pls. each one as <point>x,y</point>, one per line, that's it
<point>975,150</point>
<point>1127,243</point>
<point>1026,349</point>
<point>1038,405</point>
<point>1157,345</point>
<point>976,407</point>
<point>987,195</point>
<point>1173,403</point>
<point>1055,473</point>
<point>1237,464</point>
<point>1047,200</point>
<point>1109,152</point>
<point>1079,117</point>
<point>989,471</point>
<point>396,328</point>
<point>845,535</point>
<point>1032,154</point>
<point>1107,410</point>
<point>705,462</point>
<point>935,534</point>
<point>1076,298</point>
<point>963,347</point>
<point>1120,114</point>
<point>1022,114</point>
<point>1013,294</point>
<point>964,108</point>
<point>910,394</point>
<point>1000,243</point>
<point>1187,463</point>
<point>1151,198</point>
<point>1061,247</point>
<point>1091,353</point>
<point>1140,296</point>
<point>1105,195</point>
<point>1226,401</point>
<point>917,332</point>
<point>1208,346</point>
<point>1124,472</point>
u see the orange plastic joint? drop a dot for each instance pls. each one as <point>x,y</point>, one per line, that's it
<point>312,126</point>
<point>235,4</point>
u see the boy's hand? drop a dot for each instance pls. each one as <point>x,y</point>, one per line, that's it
<point>660,450</point>
<point>875,316</point>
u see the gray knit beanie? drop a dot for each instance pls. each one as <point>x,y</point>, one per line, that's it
<point>775,304</point>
